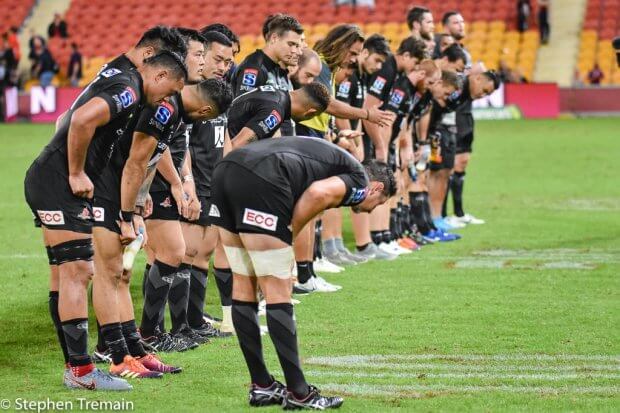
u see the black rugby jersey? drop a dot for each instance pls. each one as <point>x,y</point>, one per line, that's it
<point>162,122</point>
<point>206,146</point>
<point>122,90</point>
<point>295,163</point>
<point>262,110</point>
<point>351,91</point>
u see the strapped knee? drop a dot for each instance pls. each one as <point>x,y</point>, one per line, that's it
<point>75,250</point>
<point>240,262</point>
<point>279,263</point>
<point>50,256</point>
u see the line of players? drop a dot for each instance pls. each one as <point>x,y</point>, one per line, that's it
<point>149,132</point>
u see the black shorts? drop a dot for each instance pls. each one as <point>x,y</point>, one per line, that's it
<point>246,203</point>
<point>52,202</point>
<point>164,207</point>
<point>107,214</point>
<point>447,143</point>
<point>205,206</point>
<point>464,144</point>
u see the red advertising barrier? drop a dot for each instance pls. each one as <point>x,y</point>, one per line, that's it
<point>46,104</point>
<point>590,99</point>
<point>536,100</point>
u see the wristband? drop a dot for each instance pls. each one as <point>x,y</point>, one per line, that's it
<point>188,178</point>
<point>126,216</point>
<point>139,210</point>
<point>336,140</point>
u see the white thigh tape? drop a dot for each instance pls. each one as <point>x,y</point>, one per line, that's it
<point>278,263</point>
<point>240,262</point>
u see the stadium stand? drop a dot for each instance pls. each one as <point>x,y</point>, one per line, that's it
<point>13,13</point>
<point>104,30</point>
<point>601,24</point>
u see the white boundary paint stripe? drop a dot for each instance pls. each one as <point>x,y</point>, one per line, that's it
<point>391,390</point>
<point>467,357</point>
<point>467,368</point>
<point>541,377</point>
<point>20,256</point>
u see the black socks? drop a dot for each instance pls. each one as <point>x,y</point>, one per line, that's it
<point>224,281</point>
<point>132,338</point>
<point>283,333</point>
<point>197,293</point>
<point>160,278</point>
<point>245,320</point>
<point>114,339</point>
<point>53,307</point>
<point>178,297</point>
<point>76,339</point>
<point>456,186</point>
<point>304,271</point>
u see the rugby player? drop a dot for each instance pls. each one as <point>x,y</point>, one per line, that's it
<point>420,22</point>
<point>167,239</point>
<point>454,24</point>
<point>121,220</point>
<point>308,68</point>
<point>264,194</point>
<point>225,30</point>
<point>207,144</point>
<point>266,67</point>
<point>352,91</point>
<point>59,190</point>
<point>443,125</point>
<point>258,114</point>
<point>409,54</point>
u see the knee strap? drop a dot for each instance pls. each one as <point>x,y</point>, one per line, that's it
<point>50,256</point>
<point>75,250</point>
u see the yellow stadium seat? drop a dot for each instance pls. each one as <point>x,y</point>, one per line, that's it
<point>372,28</point>
<point>497,25</point>
<point>479,26</point>
<point>392,27</point>
<point>320,29</point>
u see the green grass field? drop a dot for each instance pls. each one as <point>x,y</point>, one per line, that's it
<point>522,314</point>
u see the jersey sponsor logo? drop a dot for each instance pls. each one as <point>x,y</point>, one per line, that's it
<point>219,136</point>
<point>85,214</point>
<point>110,72</point>
<point>397,97</point>
<point>249,77</point>
<point>378,84</point>
<point>344,89</point>
<point>166,203</point>
<point>127,97</point>
<point>164,113</point>
<point>98,214</point>
<point>267,88</point>
<point>273,119</point>
<point>51,217</point>
<point>214,212</point>
<point>260,219</point>
<point>357,196</point>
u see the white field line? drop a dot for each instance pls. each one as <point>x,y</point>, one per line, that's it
<point>468,357</point>
<point>495,376</point>
<point>20,256</point>
<point>582,369</point>
<point>392,390</point>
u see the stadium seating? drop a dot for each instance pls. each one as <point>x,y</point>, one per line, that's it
<point>105,29</point>
<point>13,13</point>
<point>601,24</point>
